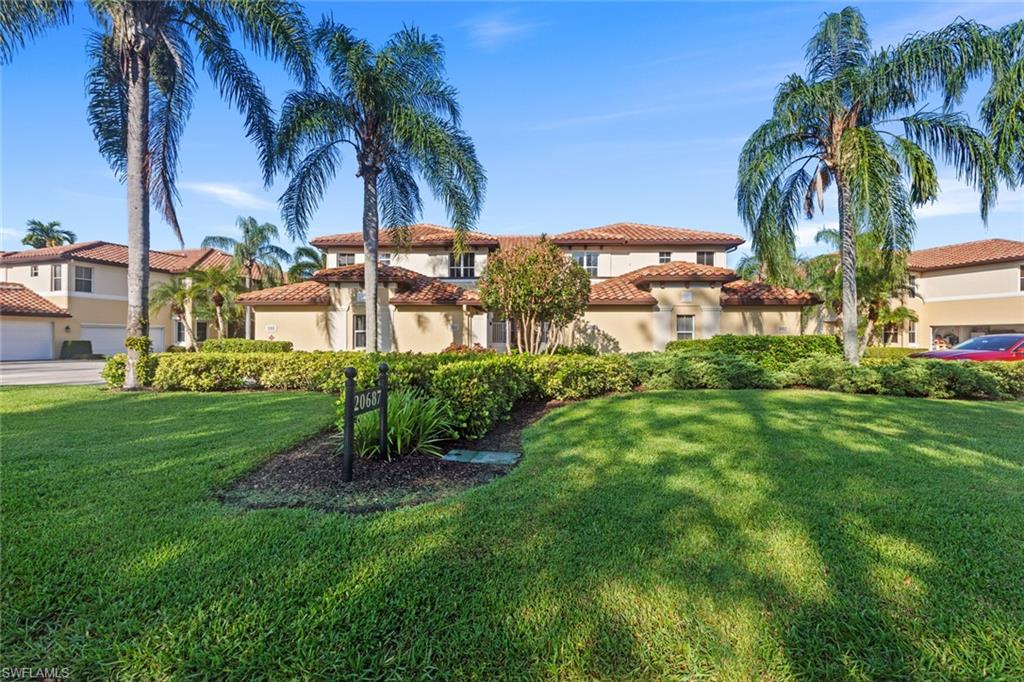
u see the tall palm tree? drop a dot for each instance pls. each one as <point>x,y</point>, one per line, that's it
<point>305,261</point>
<point>401,118</point>
<point>855,123</point>
<point>141,84</point>
<point>218,286</point>
<point>255,254</point>
<point>177,294</point>
<point>1002,110</point>
<point>40,235</point>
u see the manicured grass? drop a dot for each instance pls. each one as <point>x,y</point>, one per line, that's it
<point>717,534</point>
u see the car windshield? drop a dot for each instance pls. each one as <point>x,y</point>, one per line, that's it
<point>997,342</point>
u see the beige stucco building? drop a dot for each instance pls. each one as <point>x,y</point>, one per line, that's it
<point>649,285</point>
<point>961,291</point>
<point>88,282</point>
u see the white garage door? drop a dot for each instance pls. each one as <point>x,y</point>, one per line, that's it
<point>26,339</point>
<point>109,339</point>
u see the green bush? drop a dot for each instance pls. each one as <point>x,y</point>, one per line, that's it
<point>575,377</point>
<point>907,377</point>
<point>244,346</point>
<point>212,371</point>
<point>114,368</point>
<point>578,349</point>
<point>650,366</point>
<point>1009,376</point>
<point>416,423</point>
<point>718,370</point>
<point>479,394</point>
<point>771,352</point>
<point>887,352</point>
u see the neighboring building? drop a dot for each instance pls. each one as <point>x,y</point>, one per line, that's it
<point>27,323</point>
<point>88,282</point>
<point>649,285</point>
<point>962,291</point>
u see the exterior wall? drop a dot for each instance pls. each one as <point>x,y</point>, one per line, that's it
<point>426,261</point>
<point>624,329</point>
<point>761,320</point>
<point>428,329</point>
<point>307,327</point>
<point>21,274</point>
<point>613,261</point>
<point>982,281</point>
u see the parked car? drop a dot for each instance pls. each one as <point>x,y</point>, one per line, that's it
<point>991,347</point>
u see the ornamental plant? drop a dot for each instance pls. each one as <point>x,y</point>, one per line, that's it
<point>536,287</point>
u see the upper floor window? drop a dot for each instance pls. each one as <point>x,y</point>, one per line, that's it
<point>359,331</point>
<point>346,259</point>
<point>664,256</point>
<point>83,279</point>
<point>56,284</point>
<point>706,257</point>
<point>384,258</point>
<point>33,271</point>
<point>588,261</point>
<point>684,326</point>
<point>462,267</point>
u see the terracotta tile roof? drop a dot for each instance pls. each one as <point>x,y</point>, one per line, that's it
<point>117,254</point>
<point>629,288</point>
<point>507,241</point>
<point>742,292</point>
<point>310,292</point>
<point>16,299</point>
<point>413,288</point>
<point>636,233</point>
<point>420,234</point>
<point>968,253</point>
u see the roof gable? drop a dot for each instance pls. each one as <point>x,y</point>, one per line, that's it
<point>17,299</point>
<point>979,252</point>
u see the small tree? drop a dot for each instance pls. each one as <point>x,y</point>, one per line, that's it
<point>218,286</point>
<point>535,287</point>
<point>178,295</point>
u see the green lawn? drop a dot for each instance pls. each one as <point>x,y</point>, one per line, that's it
<point>717,534</point>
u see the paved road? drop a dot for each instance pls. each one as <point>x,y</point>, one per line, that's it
<point>50,372</point>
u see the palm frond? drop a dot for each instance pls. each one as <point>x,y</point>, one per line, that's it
<point>841,42</point>
<point>107,108</point>
<point>24,20</point>
<point>306,188</point>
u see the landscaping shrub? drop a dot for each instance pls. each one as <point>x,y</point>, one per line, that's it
<point>1009,376</point>
<point>212,371</point>
<point>416,423</point>
<point>577,349</point>
<point>718,370</point>
<point>479,393</point>
<point>466,348</point>
<point>114,368</point>
<point>771,352</point>
<point>574,377</point>
<point>244,346</point>
<point>887,352</point>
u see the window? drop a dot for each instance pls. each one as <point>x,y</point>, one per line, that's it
<point>384,258</point>
<point>684,326</point>
<point>499,331</point>
<point>359,331</point>
<point>664,256</point>
<point>202,329</point>
<point>912,334</point>
<point>706,257</point>
<point>912,284</point>
<point>34,271</point>
<point>83,279</point>
<point>346,259</point>
<point>462,267</point>
<point>1022,278</point>
<point>179,331</point>
<point>588,261</point>
<point>891,334</point>
<point>55,278</point>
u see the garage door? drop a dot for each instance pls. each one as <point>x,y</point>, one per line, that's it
<point>109,339</point>
<point>26,339</point>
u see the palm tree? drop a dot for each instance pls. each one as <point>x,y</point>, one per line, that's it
<point>255,254</point>
<point>218,286</point>
<point>305,261</point>
<point>401,118</point>
<point>40,234</point>
<point>141,85</point>
<point>854,122</point>
<point>1002,110</point>
<point>178,295</point>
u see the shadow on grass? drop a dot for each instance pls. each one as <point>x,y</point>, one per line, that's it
<point>723,534</point>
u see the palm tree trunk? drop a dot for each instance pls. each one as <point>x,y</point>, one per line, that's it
<point>220,322</point>
<point>249,331</point>
<point>848,263</point>
<point>371,234</point>
<point>138,208</point>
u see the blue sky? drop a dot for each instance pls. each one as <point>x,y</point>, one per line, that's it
<point>583,114</point>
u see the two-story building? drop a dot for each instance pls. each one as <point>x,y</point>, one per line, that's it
<point>88,283</point>
<point>649,285</point>
<point>961,291</point>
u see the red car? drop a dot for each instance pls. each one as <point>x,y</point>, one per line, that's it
<point>992,347</point>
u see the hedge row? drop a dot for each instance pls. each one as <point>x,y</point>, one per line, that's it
<point>244,346</point>
<point>890,352</point>
<point>771,352</point>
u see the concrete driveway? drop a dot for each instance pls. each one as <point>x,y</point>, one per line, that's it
<point>50,372</point>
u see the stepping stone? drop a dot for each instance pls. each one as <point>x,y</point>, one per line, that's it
<point>482,457</point>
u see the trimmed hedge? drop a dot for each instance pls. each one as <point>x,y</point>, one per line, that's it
<point>244,346</point>
<point>771,352</point>
<point>479,394</point>
<point>574,377</point>
<point>114,369</point>
<point>889,352</point>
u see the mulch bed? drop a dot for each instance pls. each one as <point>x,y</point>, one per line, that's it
<point>310,474</point>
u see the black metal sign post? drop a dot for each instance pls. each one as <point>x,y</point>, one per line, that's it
<point>357,402</point>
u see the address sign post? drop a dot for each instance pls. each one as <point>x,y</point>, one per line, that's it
<point>357,402</point>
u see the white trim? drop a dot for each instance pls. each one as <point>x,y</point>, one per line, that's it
<point>939,299</point>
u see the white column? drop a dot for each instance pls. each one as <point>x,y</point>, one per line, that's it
<point>664,323</point>
<point>710,321</point>
<point>384,324</point>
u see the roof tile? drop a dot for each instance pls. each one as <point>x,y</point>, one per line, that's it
<point>17,299</point>
<point>420,234</point>
<point>968,253</point>
<point>742,292</point>
<point>174,262</point>
<point>310,292</point>
<point>637,233</point>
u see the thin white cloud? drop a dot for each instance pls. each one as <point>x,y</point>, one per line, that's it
<point>601,118</point>
<point>497,30</point>
<point>956,198</point>
<point>230,195</point>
